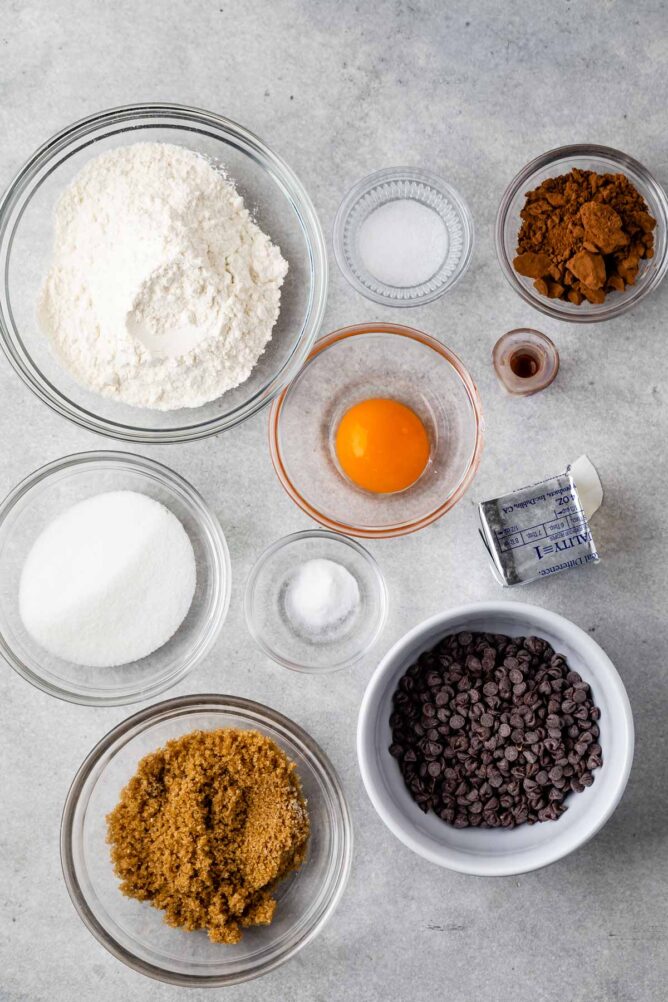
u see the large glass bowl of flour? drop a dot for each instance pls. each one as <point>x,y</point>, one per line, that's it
<point>278,204</point>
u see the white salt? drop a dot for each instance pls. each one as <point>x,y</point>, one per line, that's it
<point>403,243</point>
<point>321,596</point>
<point>108,581</point>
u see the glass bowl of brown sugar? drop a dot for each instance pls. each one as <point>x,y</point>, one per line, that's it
<point>135,932</point>
<point>553,164</point>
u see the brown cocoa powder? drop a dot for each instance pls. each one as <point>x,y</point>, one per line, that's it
<point>207,827</point>
<point>583,235</point>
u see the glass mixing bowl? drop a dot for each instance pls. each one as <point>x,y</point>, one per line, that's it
<point>397,184</point>
<point>354,364</point>
<point>603,160</point>
<point>44,495</point>
<point>279,205</point>
<point>268,619</point>
<point>133,931</point>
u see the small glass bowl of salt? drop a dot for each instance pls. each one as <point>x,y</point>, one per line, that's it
<point>403,236</point>
<point>316,601</point>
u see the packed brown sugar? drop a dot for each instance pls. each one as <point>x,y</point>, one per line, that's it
<point>207,827</point>
<point>583,235</point>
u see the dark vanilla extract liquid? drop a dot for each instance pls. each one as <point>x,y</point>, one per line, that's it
<point>524,365</point>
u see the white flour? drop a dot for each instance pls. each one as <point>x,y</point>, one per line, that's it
<point>162,292</point>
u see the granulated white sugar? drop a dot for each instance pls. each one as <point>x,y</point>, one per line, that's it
<point>108,581</point>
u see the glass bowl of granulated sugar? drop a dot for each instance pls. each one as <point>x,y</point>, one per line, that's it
<point>180,287</point>
<point>115,578</point>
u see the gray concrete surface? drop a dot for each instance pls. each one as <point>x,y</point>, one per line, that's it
<point>471,91</point>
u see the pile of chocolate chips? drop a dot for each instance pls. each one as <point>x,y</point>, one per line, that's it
<point>491,731</point>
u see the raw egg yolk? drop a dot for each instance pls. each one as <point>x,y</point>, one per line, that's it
<point>382,445</point>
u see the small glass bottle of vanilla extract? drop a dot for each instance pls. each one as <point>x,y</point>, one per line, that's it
<point>525,361</point>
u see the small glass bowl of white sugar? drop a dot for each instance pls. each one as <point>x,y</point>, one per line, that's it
<point>93,547</point>
<point>403,236</point>
<point>316,601</point>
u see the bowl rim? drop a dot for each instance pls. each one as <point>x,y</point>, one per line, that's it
<point>39,166</point>
<point>386,175</point>
<point>217,543</point>
<point>280,544</point>
<point>176,707</point>
<point>486,866</point>
<point>402,528</point>
<point>619,160</point>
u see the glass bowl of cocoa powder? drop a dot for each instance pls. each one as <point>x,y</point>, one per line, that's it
<point>553,293</point>
<point>135,932</point>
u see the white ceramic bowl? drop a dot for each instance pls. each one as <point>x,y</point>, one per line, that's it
<point>496,852</point>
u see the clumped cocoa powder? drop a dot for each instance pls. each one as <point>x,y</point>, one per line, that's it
<point>583,235</point>
<point>207,827</point>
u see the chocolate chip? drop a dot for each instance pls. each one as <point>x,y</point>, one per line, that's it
<point>493,731</point>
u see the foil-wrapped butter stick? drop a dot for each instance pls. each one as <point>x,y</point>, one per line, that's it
<point>540,530</point>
